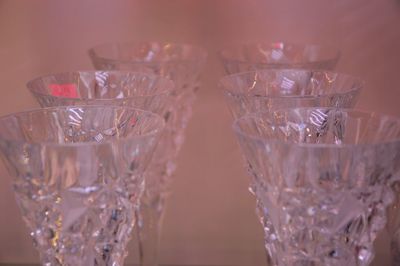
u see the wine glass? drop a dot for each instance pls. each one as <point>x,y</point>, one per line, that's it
<point>324,178</point>
<point>270,89</point>
<point>78,174</point>
<point>182,63</point>
<point>124,88</point>
<point>267,55</point>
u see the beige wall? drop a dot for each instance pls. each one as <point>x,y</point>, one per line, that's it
<point>210,216</point>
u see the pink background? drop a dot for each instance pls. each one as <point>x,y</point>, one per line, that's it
<point>210,216</point>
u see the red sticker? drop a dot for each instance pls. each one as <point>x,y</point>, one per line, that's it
<point>64,90</point>
<point>133,121</point>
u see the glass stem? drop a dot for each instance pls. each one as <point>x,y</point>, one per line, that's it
<point>395,249</point>
<point>149,216</point>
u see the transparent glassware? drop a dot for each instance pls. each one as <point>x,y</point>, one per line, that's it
<point>182,63</point>
<point>78,175</point>
<point>393,227</point>
<point>124,88</point>
<point>266,55</point>
<point>265,90</point>
<point>139,90</point>
<point>271,89</point>
<point>324,177</point>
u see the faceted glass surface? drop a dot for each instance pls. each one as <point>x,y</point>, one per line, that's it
<point>393,227</point>
<point>78,173</point>
<point>323,177</point>
<point>141,90</point>
<point>263,55</point>
<point>265,90</point>
<point>182,64</point>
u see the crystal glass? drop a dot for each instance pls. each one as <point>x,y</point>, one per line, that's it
<point>182,63</point>
<point>140,90</point>
<point>324,177</point>
<point>264,55</point>
<point>264,90</point>
<point>78,176</point>
<point>270,89</point>
<point>393,227</point>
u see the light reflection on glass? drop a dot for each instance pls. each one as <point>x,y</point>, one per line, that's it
<point>287,85</point>
<point>318,118</point>
<point>75,117</point>
<point>101,80</point>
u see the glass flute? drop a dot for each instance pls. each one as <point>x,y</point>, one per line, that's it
<point>78,174</point>
<point>324,178</point>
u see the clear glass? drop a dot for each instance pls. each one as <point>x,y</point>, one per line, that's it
<point>182,64</point>
<point>324,178</point>
<point>265,55</point>
<point>78,175</point>
<point>140,90</point>
<point>265,90</point>
<point>393,227</point>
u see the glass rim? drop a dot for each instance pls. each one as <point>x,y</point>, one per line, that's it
<point>240,132</point>
<point>158,130</point>
<point>201,53</point>
<point>237,92</point>
<point>336,53</point>
<point>169,84</point>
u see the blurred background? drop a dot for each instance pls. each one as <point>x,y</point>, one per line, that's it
<point>210,217</point>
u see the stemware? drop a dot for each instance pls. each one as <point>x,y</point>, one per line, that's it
<point>264,90</point>
<point>182,63</point>
<point>265,55</point>
<point>393,227</point>
<point>77,177</point>
<point>139,90</point>
<point>267,90</point>
<point>324,177</point>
